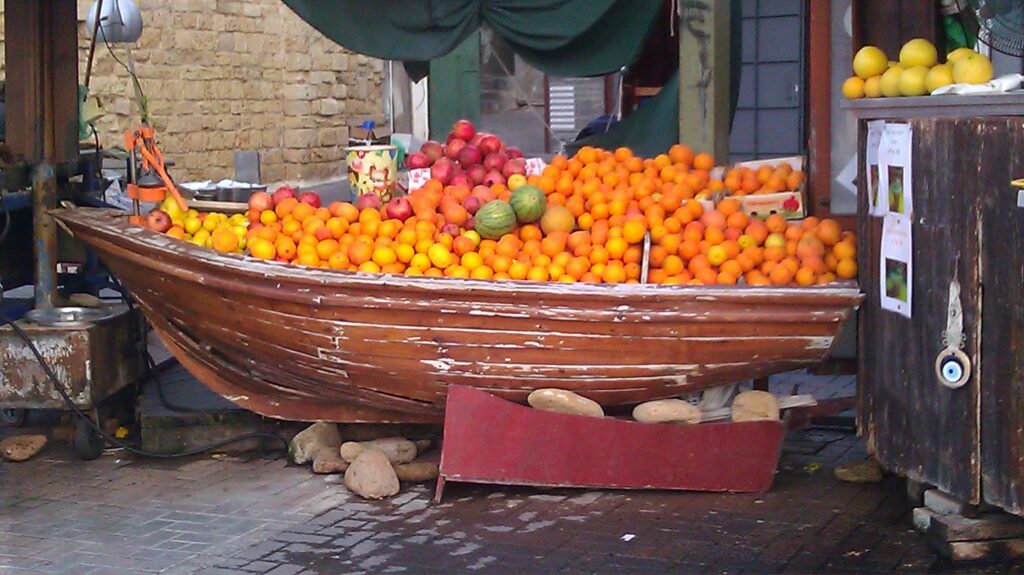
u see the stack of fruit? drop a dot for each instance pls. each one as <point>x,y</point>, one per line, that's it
<point>916,74</point>
<point>583,219</point>
<point>468,158</point>
<point>211,230</point>
<point>766,179</point>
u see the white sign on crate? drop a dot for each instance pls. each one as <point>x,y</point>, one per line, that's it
<point>418,178</point>
<point>534,166</point>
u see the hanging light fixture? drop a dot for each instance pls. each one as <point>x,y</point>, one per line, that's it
<point>120,21</point>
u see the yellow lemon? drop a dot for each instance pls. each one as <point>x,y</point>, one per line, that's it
<point>201,237</point>
<point>472,260</point>
<point>473,235</point>
<point>869,61</point>
<point>405,253</point>
<point>911,82</point>
<point>853,88</point>
<point>439,256</point>
<point>890,82</point>
<point>873,87</point>
<point>918,52</point>
<point>192,225</point>
<point>938,76</point>
<point>516,180</point>
<point>172,208</point>
<point>955,55</point>
<point>972,69</point>
<point>239,231</point>
<point>239,220</point>
<point>192,213</point>
<point>210,223</point>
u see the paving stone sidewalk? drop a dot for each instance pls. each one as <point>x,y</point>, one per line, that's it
<point>248,515</point>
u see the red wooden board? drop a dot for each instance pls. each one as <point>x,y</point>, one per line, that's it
<point>491,440</point>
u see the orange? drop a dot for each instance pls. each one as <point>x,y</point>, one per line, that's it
<point>634,229</point>
<point>656,276</point>
<point>405,253</point>
<point>844,250</point>
<point>338,261</point>
<point>681,154</point>
<point>616,248</point>
<point>847,269</point>
<point>327,248</point>
<point>672,265</point>
<point>732,267</point>
<point>829,232</point>
<point>614,273</point>
<point>501,264</point>
<point>369,267</point>
<point>714,218</point>
<point>805,276</point>
<point>703,161</point>
<point>530,232</point>
<point>482,273</point>
<point>738,221</point>
<point>262,249</point>
<point>285,207</point>
<point>774,253</point>
<point>463,244</point>
<point>538,274</point>
<point>384,256</point>
<point>780,275</point>
<point>714,236</point>
<point>599,255</point>
<point>717,255</point>
<point>727,278</point>
<point>285,248</point>
<point>706,276</point>
<point>360,252</point>
<point>577,266</point>
<point>776,223</point>
<point>458,272</point>
<point>518,271</point>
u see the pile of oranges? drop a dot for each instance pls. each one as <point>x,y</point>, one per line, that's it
<point>744,181</point>
<point>604,204</point>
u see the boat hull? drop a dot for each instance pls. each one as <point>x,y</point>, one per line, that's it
<point>307,344</point>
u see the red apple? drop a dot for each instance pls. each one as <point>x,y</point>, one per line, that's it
<point>495,161</point>
<point>399,209</point>
<point>453,148</point>
<point>442,170</point>
<point>261,201</point>
<point>515,166</point>
<point>463,130</point>
<point>476,173</point>
<point>432,150</point>
<point>494,177</point>
<point>514,152</point>
<point>470,156</point>
<point>490,144</point>
<point>472,204</point>
<point>283,193</point>
<point>417,160</point>
<point>451,229</point>
<point>159,221</point>
<point>368,200</point>
<point>311,198</point>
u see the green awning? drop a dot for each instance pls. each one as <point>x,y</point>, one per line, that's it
<point>559,37</point>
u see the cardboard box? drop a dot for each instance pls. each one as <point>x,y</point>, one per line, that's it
<point>792,205</point>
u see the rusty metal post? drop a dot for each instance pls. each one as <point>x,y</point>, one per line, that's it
<point>44,198</point>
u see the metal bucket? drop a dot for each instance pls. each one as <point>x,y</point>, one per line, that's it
<point>372,169</point>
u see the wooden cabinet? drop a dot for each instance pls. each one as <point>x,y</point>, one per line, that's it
<point>968,228</point>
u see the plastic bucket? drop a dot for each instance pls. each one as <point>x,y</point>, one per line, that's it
<point>372,169</point>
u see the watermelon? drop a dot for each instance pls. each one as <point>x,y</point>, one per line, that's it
<point>528,202</point>
<point>495,219</point>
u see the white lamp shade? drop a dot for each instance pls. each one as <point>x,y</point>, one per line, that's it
<point>121,21</point>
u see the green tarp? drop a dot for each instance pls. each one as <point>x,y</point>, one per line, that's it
<point>559,37</point>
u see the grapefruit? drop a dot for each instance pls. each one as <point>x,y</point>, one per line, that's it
<point>955,55</point>
<point>873,87</point>
<point>890,82</point>
<point>911,82</point>
<point>938,76</point>
<point>972,69</point>
<point>869,61</point>
<point>853,88</point>
<point>918,52</point>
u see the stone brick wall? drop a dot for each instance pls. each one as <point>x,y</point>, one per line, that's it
<point>225,75</point>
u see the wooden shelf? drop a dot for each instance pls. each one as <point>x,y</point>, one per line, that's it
<point>951,106</point>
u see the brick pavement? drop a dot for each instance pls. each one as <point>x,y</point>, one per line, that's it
<point>249,515</point>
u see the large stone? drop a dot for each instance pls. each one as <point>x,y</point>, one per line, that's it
<point>667,411</point>
<point>755,406</point>
<point>21,447</point>
<point>371,476</point>
<point>328,460</point>
<point>305,446</point>
<point>397,449</point>
<point>416,472</point>
<point>563,401</point>
<point>860,472</point>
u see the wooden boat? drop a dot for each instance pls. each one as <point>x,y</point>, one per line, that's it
<point>307,344</point>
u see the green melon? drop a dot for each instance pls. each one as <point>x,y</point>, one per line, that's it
<point>495,219</point>
<point>528,202</point>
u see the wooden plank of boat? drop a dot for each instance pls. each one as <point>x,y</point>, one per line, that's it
<point>549,449</point>
<point>301,343</point>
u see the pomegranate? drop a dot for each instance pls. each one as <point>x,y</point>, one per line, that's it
<point>476,173</point>
<point>469,223</point>
<point>490,144</point>
<point>260,201</point>
<point>311,198</point>
<point>450,229</point>
<point>514,152</point>
<point>463,130</point>
<point>368,200</point>
<point>472,204</point>
<point>399,209</point>
<point>417,160</point>
<point>283,193</point>
<point>159,221</point>
<point>515,166</point>
<point>484,193</point>
<point>475,140</point>
<point>470,155</point>
<point>494,177</point>
<point>453,148</point>
<point>434,151</point>
<point>495,161</point>
<point>461,180</point>
<point>442,170</point>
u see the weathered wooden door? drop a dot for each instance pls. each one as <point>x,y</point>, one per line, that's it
<point>1001,153</point>
<point>913,424</point>
<point>454,87</point>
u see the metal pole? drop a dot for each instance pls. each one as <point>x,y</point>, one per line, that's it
<point>44,180</point>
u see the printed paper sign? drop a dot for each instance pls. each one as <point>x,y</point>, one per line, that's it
<point>877,203</point>
<point>896,275</point>
<point>418,178</point>
<point>534,166</point>
<point>895,170</point>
